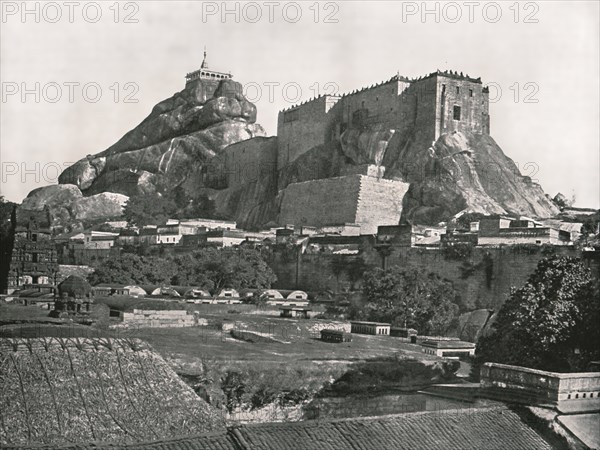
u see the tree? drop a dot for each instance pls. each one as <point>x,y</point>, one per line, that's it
<point>155,208</point>
<point>210,268</point>
<point>551,323</point>
<point>134,269</point>
<point>149,209</point>
<point>409,298</point>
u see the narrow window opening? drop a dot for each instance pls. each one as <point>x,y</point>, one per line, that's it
<point>456,112</point>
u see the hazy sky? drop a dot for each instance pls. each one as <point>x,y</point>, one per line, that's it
<point>541,59</point>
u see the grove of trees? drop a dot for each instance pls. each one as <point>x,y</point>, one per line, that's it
<point>209,268</point>
<point>155,208</point>
<point>551,323</point>
<point>408,297</point>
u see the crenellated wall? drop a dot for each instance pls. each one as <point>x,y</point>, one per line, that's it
<point>303,127</point>
<point>424,107</point>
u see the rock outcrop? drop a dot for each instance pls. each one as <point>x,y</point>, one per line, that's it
<point>166,150</point>
<point>461,171</point>
<point>70,209</point>
<point>181,134</point>
<point>182,137</point>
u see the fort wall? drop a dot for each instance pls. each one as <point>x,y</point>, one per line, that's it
<point>568,392</point>
<point>379,203</point>
<point>375,105</point>
<point>360,199</point>
<point>470,97</point>
<point>482,280</point>
<point>439,103</point>
<point>425,97</point>
<point>249,160</point>
<point>321,202</point>
<point>303,127</point>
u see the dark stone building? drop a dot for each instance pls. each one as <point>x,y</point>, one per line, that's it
<point>34,259</point>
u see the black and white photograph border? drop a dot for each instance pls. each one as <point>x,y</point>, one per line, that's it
<point>300,224</point>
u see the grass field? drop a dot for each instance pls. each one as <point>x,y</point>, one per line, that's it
<point>289,367</point>
<point>297,340</point>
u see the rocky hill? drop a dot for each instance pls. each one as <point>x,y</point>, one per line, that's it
<point>177,145</point>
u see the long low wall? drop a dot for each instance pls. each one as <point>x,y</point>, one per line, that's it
<point>568,392</point>
<point>160,319</point>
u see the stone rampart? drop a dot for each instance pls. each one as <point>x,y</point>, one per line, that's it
<point>159,319</point>
<point>568,392</point>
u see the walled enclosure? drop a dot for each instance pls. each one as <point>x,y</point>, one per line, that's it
<point>568,392</point>
<point>361,199</point>
<point>248,161</point>
<point>482,280</point>
<point>438,103</point>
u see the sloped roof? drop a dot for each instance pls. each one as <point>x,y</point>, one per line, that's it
<point>114,391</point>
<point>74,286</point>
<point>496,428</point>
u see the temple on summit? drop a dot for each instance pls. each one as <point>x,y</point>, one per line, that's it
<point>205,74</point>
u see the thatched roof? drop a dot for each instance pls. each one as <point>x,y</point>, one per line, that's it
<point>75,286</point>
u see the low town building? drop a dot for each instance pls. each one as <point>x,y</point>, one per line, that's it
<point>502,230</point>
<point>409,333</point>
<point>160,319</point>
<point>329,335</point>
<point>410,235</point>
<point>297,295</point>
<point>300,312</point>
<point>448,348</point>
<point>225,238</point>
<point>375,328</point>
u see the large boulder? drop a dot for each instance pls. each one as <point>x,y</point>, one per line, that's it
<point>467,172</point>
<point>180,135</point>
<point>69,209</point>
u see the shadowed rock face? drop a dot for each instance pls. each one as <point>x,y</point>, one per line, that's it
<point>467,172</point>
<point>175,146</point>
<point>180,134</point>
<point>459,172</point>
<point>69,209</point>
<point>167,149</point>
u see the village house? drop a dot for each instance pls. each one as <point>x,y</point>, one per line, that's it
<point>375,328</point>
<point>225,238</point>
<point>208,224</point>
<point>501,230</point>
<point>329,335</point>
<point>300,312</point>
<point>409,333</point>
<point>410,235</point>
<point>148,235</point>
<point>228,296</point>
<point>448,348</point>
<point>128,236</point>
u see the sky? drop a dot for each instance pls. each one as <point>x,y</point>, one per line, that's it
<point>77,76</point>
